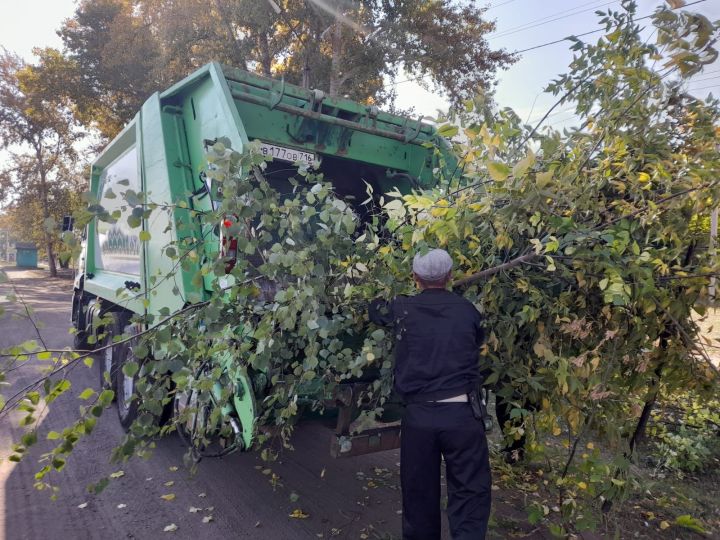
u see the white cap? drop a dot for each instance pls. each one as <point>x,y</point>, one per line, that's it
<point>433,266</point>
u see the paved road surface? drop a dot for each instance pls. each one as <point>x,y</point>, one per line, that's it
<point>343,498</point>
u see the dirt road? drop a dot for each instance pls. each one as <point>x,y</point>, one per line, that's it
<point>354,498</point>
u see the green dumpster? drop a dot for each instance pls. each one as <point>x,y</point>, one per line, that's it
<point>26,255</point>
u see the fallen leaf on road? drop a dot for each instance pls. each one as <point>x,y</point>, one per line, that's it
<point>257,524</point>
<point>83,505</point>
<point>173,468</point>
<point>210,509</point>
<point>266,471</point>
<point>202,495</point>
<point>148,479</point>
<point>168,497</point>
<point>117,474</point>
<point>664,525</point>
<point>122,505</point>
<point>170,483</point>
<point>299,514</point>
<point>322,473</point>
<point>194,510</point>
<point>207,519</point>
<point>294,497</point>
<point>170,528</point>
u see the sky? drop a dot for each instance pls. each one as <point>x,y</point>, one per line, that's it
<point>521,24</point>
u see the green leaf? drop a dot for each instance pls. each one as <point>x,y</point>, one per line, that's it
<point>105,398</point>
<point>130,368</point>
<point>87,393</point>
<point>447,130</point>
<point>144,236</point>
<point>688,522</point>
<point>498,171</point>
<point>29,438</point>
<point>53,435</point>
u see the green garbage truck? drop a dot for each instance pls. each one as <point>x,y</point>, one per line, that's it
<point>163,152</point>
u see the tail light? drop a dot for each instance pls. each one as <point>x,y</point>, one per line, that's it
<point>228,243</point>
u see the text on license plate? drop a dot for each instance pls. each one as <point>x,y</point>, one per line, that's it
<point>286,154</point>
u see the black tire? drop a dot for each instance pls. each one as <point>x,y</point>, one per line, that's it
<point>106,358</point>
<point>127,400</point>
<point>216,447</point>
<point>80,307</point>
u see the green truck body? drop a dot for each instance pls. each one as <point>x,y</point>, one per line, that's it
<point>161,155</point>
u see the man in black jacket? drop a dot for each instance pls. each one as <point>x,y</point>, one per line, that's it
<point>437,337</point>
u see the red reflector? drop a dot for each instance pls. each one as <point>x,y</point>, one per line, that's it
<point>227,223</point>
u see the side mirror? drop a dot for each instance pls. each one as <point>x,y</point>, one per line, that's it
<point>68,223</point>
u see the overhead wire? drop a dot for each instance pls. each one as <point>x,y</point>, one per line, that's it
<point>542,45</point>
<point>595,31</point>
<point>704,88</point>
<point>551,18</point>
<point>500,4</point>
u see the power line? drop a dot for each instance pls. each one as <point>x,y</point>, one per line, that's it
<point>705,79</point>
<point>543,21</point>
<point>500,4</point>
<point>704,87</point>
<point>416,79</point>
<point>592,31</point>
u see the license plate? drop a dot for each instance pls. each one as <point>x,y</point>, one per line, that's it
<point>290,155</point>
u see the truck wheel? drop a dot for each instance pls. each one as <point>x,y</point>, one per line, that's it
<point>80,307</point>
<point>127,400</point>
<point>194,426</point>
<point>106,358</point>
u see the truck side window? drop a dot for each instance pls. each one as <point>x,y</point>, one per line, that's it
<point>118,243</point>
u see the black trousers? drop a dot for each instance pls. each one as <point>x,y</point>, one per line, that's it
<point>429,431</point>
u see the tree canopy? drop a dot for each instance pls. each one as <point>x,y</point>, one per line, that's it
<point>39,133</point>
<point>120,51</point>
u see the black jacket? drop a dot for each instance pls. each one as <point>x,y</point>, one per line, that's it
<point>437,337</point>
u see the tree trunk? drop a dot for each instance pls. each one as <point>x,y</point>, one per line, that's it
<point>225,15</point>
<point>46,212</point>
<point>335,65</point>
<point>264,49</point>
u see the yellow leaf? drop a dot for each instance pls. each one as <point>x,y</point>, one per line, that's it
<point>643,177</point>
<point>557,431</point>
<point>117,474</point>
<point>582,485</point>
<point>498,171</point>
<point>170,483</point>
<point>168,497</point>
<point>299,514</point>
<point>543,179</point>
<point>173,469</point>
<point>590,446</point>
<point>664,525</point>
